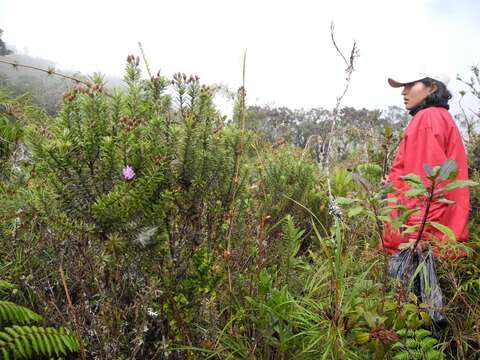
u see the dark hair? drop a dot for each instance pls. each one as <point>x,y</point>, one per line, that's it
<point>440,96</point>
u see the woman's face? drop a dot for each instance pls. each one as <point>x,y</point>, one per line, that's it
<point>414,93</point>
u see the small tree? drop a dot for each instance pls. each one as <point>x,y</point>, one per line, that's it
<point>3,46</point>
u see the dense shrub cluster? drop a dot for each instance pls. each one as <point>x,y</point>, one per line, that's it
<point>155,230</point>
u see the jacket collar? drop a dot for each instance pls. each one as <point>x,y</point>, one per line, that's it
<point>424,105</point>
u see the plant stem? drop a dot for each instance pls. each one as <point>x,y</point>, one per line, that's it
<point>238,155</point>
<point>425,216</point>
<point>73,312</point>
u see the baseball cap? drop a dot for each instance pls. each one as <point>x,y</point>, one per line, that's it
<point>408,78</point>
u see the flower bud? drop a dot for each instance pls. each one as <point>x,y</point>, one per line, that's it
<point>128,173</point>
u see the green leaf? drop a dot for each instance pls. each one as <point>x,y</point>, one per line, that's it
<point>412,343</point>
<point>444,230</point>
<point>428,343</point>
<point>344,201</point>
<point>459,184</point>
<point>398,346</point>
<point>453,175</point>
<point>447,168</point>
<point>422,333</point>
<point>434,355</point>
<point>27,346</point>
<point>429,170</point>
<point>47,343</point>
<point>19,349</point>
<point>5,355</point>
<point>362,181</point>
<point>33,341</point>
<point>6,285</point>
<point>416,191</point>
<point>362,338</point>
<point>355,211</point>
<point>41,343</point>
<point>371,319</point>
<point>412,179</point>
<point>406,214</point>
<point>403,355</point>
<point>388,132</point>
<point>11,332</point>
<point>5,336</point>
<point>55,343</point>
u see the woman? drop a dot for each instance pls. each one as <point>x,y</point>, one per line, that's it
<point>431,137</point>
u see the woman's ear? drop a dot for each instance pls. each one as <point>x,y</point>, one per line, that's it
<point>433,88</point>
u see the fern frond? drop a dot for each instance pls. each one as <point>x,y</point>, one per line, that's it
<point>404,355</point>
<point>16,314</point>
<point>411,343</point>
<point>6,285</point>
<point>471,286</point>
<point>422,333</point>
<point>428,344</point>
<point>434,355</point>
<point>25,342</point>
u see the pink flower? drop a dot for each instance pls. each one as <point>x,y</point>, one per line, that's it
<point>128,173</point>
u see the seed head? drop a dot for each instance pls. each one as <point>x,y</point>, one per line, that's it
<point>334,209</point>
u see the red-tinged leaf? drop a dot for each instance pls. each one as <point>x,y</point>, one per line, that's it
<point>404,246</point>
<point>410,229</point>
<point>446,201</point>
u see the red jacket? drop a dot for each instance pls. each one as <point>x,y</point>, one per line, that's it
<point>430,138</point>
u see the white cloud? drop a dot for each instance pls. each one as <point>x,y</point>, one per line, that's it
<point>290,59</point>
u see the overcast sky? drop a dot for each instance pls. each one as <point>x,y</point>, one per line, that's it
<point>290,59</point>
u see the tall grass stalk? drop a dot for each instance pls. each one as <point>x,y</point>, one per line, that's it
<point>238,158</point>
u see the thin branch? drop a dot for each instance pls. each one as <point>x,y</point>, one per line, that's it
<point>50,71</point>
<point>349,70</point>
<point>332,31</point>
<point>144,59</point>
